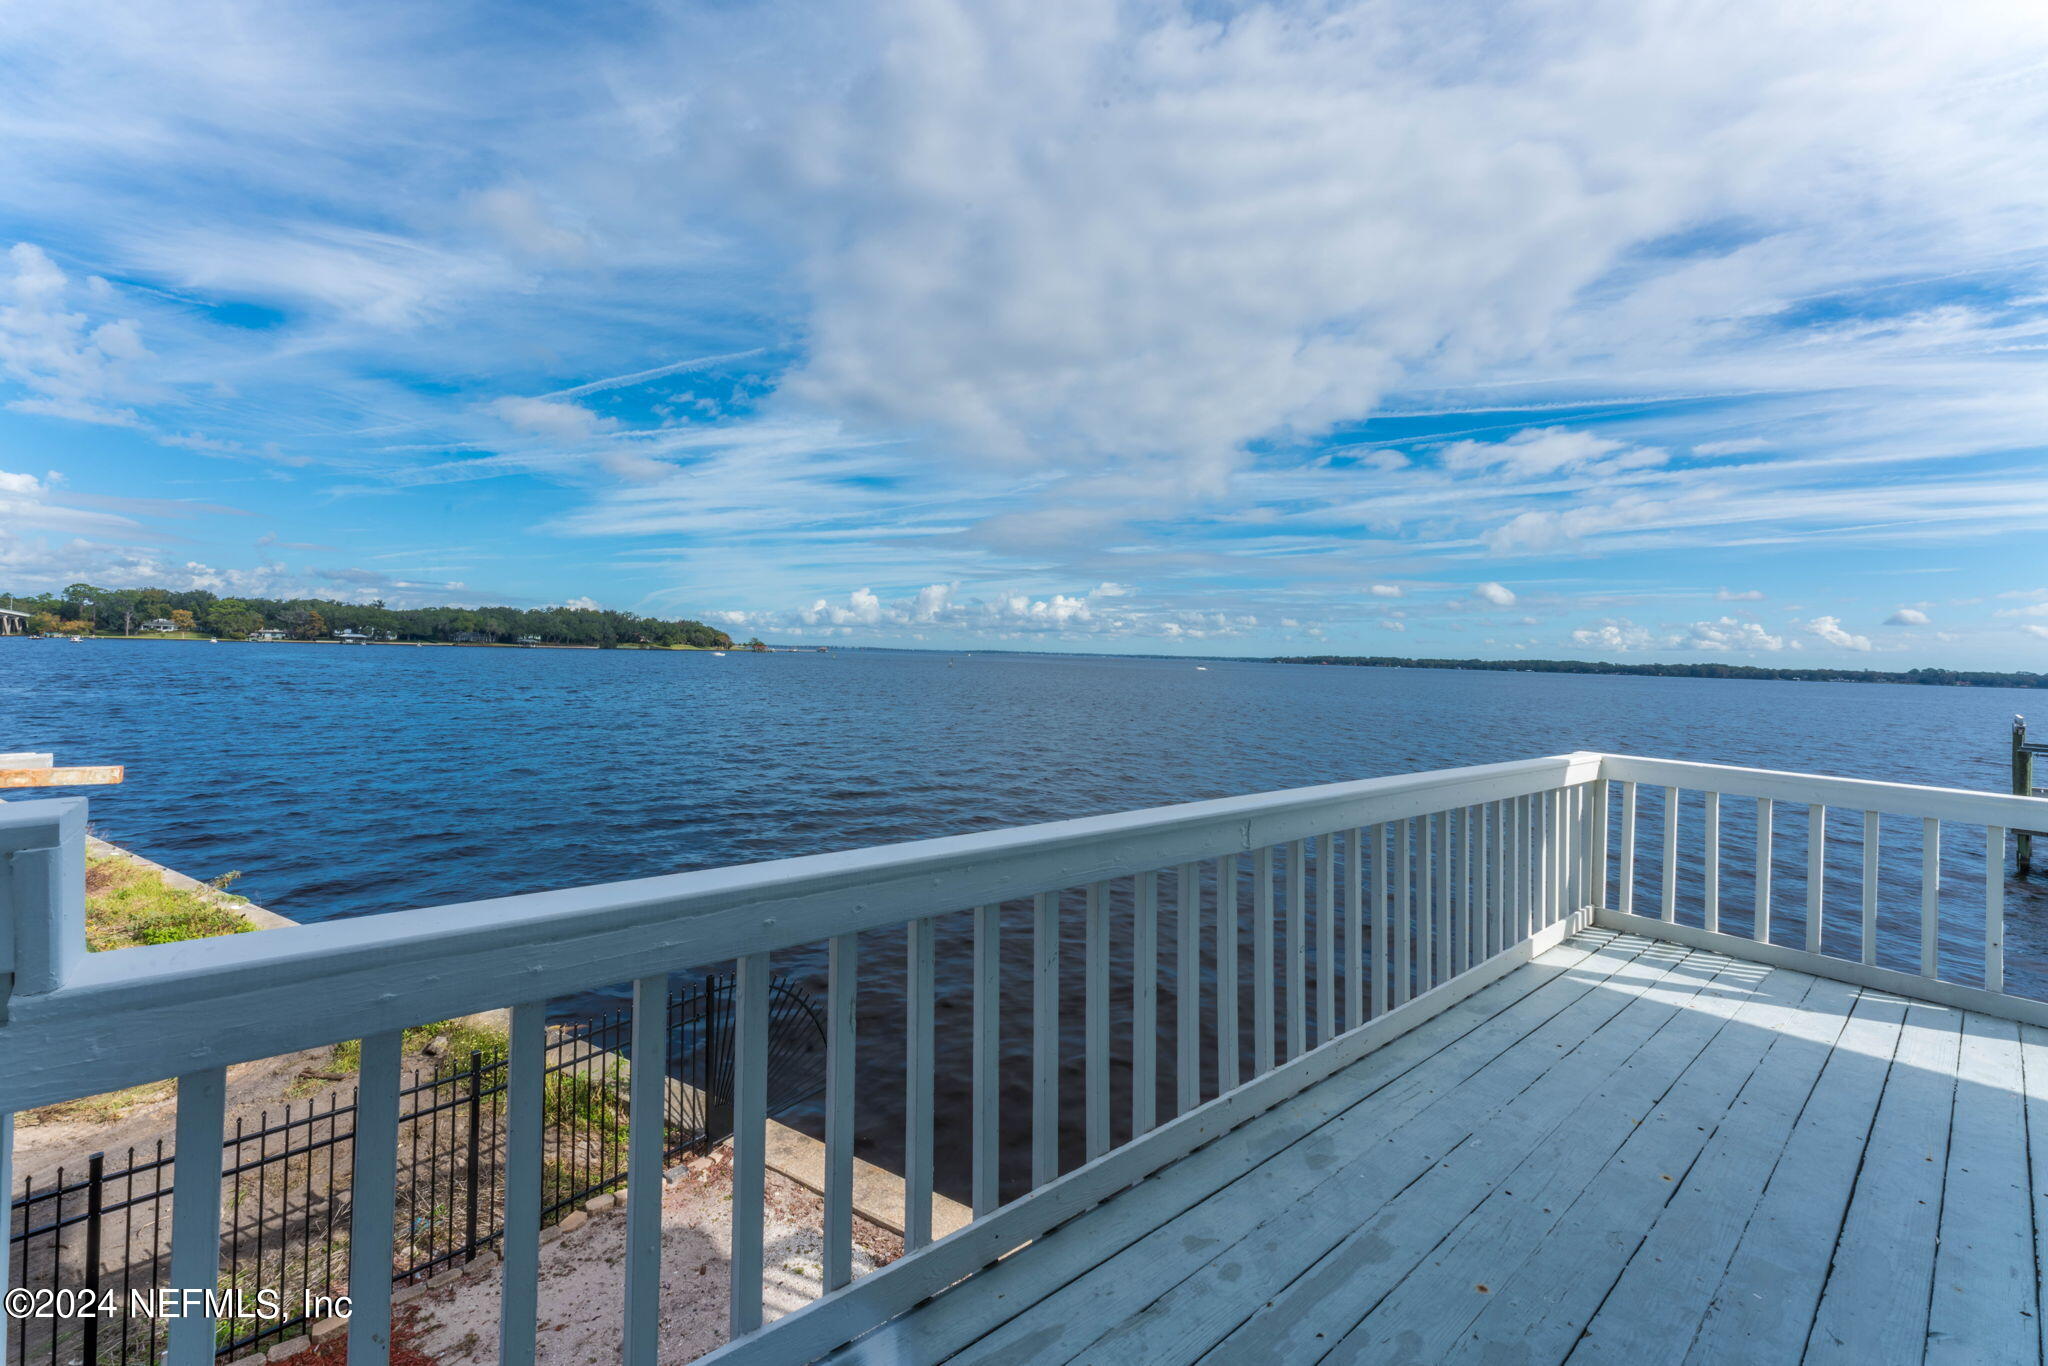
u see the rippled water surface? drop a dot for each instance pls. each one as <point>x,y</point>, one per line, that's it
<point>347,781</point>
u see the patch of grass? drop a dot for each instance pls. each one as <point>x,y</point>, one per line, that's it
<point>127,905</point>
<point>590,1100</point>
<point>101,1109</point>
<point>465,1036</point>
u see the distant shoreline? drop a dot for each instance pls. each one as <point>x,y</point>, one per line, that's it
<point>1948,678</point>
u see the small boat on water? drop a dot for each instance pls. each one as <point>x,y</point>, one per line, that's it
<point>1201,668</point>
<point>718,654</point>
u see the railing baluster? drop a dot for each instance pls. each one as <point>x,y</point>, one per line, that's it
<point>984,1179</point>
<point>749,1148</point>
<point>1930,897</point>
<point>1994,908</point>
<point>1297,949</point>
<point>1045,1038</point>
<point>1444,896</point>
<point>373,1194</point>
<point>1596,857</point>
<point>1761,929</point>
<point>1816,873</point>
<point>1227,1041</point>
<point>1262,961</point>
<point>1378,915</point>
<point>1403,878</point>
<point>1483,885</point>
<point>1525,920</point>
<point>842,1002</point>
<point>1187,991</point>
<point>1873,827</point>
<point>1710,895</point>
<point>6,1259</point>
<point>1096,1022</point>
<point>195,1211</point>
<point>647,1087</point>
<point>1468,889</point>
<point>1628,848</point>
<point>918,989</point>
<point>1425,903</point>
<point>1145,1006</point>
<point>1326,938</point>
<point>1354,928</point>
<point>1670,854</point>
<point>525,1140</point>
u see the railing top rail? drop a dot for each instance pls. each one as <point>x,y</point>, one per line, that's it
<point>134,1015</point>
<point>1903,799</point>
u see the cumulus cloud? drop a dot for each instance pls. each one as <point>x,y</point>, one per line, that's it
<point>945,609</point>
<point>1907,616</point>
<point>584,604</point>
<point>1619,635</point>
<point>1727,634</point>
<point>1385,590</point>
<point>2039,632</point>
<point>1496,594</point>
<point>1830,630</point>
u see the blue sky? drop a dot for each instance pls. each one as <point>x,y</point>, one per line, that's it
<point>1628,330</point>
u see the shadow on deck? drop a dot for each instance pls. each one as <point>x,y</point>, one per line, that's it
<point>1627,1151</point>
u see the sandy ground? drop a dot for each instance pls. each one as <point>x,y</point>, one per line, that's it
<point>581,1291</point>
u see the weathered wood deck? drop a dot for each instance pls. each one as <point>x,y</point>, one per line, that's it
<point>1627,1151</point>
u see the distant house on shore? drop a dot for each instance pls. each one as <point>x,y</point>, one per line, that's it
<point>159,624</point>
<point>529,640</point>
<point>267,633</point>
<point>470,638</point>
<point>349,636</point>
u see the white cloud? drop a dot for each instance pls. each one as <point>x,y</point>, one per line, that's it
<point>551,418</point>
<point>1726,634</point>
<point>1385,590</point>
<point>72,367</point>
<point>1496,594</point>
<point>1744,595</point>
<point>1540,452</point>
<point>1907,616</point>
<point>1393,626</point>
<point>585,604</point>
<point>1830,630</point>
<point>1619,634</point>
<point>1739,446</point>
<point>2040,632</point>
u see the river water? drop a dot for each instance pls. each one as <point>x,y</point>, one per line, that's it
<point>345,781</point>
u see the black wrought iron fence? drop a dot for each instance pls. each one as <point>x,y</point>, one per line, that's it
<point>95,1244</point>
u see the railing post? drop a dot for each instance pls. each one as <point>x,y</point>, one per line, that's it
<point>42,896</point>
<point>471,1165</point>
<point>95,1202</point>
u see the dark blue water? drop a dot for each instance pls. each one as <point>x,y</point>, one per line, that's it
<point>348,781</point>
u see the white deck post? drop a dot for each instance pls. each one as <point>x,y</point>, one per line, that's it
<point>1045,1039</point>
<point>985,1178</point>
<point>918,987</point>
<point>195,1217</point>
<point>749,1151</point>
<point>374,1197</point>
<point>842,1004</point>
<point>647,1094</point>
<point>1227,1061</point>
<point>525,1135</point>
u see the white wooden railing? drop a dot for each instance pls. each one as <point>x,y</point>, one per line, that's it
<point>1325,921</point>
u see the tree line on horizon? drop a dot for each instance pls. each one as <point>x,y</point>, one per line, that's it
<point>83,609</point>
<point>1951,678</point>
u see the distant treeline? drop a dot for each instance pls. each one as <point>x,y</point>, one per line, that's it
<point>1947,678</point>
<point>82,609</point>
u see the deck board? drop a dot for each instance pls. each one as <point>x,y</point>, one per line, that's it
<point>1626,1151</point>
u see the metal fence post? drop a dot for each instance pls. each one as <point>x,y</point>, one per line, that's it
<point>95,1202</point>
<point>471,1162</point>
